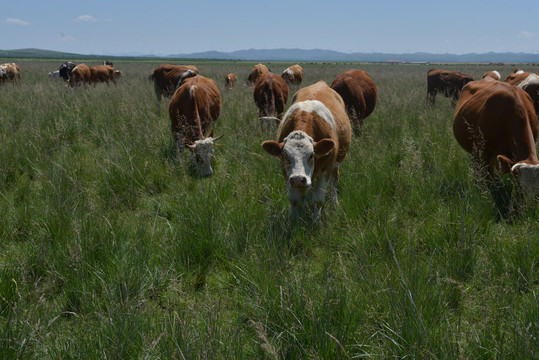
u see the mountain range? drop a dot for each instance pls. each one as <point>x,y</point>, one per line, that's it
<point>317,55</point>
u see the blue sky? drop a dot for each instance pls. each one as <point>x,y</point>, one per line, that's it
<point>179,27</point>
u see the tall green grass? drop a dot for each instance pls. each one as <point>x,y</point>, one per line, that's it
<point>112,247</point>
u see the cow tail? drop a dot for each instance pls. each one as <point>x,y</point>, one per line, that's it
<point>272,97</point>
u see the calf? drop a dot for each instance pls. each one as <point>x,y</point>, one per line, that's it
<point>230,80</point>
<point>10,72</point>
<point>448,83</point>
<point>312,141</point>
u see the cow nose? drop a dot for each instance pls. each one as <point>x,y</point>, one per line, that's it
<point>298,181</point>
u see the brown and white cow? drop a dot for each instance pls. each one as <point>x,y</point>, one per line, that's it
<point>312,141</point>
<point>193,109</point>
<point>80,75</point>
<point>493,74</point>
<point>118,74</point>
<point>496,123</point>
<point>165,80</point>
<point>528,82</point>
<point>293,75</point>
<point>102,73</point>
<point>257,70</point>
<point>359,93</point>
<point>10,72</point>
<point>449,83</point>
<point>230,80</point>
<point>270,94</point>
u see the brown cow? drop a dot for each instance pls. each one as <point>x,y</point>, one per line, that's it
<point>257,70</point>
<point>312,141</point>
<point>80,75</point>
<point>193,109</point>
<point>165,80</point>
<point>493,74</point>
<point>528,82</point>
<point>230,80</point>
<point>449,83</point>
<point>10,72</point>
<point>102,73</point>
<point>270,94</point>
<point>359,93</point>
<point>496,123</point>
<point>293,75</point>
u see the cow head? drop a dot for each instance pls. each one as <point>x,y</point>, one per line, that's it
<point>298,152</point>
<point>202,153</point>
<point>526,175</point>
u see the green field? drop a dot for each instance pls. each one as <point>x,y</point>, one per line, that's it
<point>112,248</point>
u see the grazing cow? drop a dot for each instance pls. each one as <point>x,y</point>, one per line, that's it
<point>448,83</point>
<point>193,109</point>
<point>270,94</point>
<point>312,141</point>
<point>80,75</point>
<point>493,74</point>
<point>528,82</point>
<point>118,74</point>
<point>107,62</point>
<point>66,69</point>
<point>55,75</point>
<point>165,80</point>
<point>10,72</point>
<point>230,80</point>
<point>496,123</point>
<point>257,70</point>
<point>102,73</point>
<point>293,75</point>
<point>359,94</point>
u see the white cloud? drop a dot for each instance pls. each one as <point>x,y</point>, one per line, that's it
<point>86,18</point>
<point>15,22</point>
<point>527,35</point>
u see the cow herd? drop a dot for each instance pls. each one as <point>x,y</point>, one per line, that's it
<point>496,121</point>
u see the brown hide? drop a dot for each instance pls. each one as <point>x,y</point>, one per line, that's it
<point>230,80</point>
<point>530,86</point>
<point>10,72</point>
<point>165,79</point>
<point>293,75</point>
<point>270,94</point>
<point>491,74</point>
<point>494,118</point>
<point>256,72</point>
<point>80,75</point>
<point>194,108</point>
<point>102,73</point>
<point>359,93</point>
<point>449,83</point>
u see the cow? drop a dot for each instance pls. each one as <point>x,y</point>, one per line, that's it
<point>165,80</point>
<point>493,74</point>
<point>65,70</point>
<point>257,70</point>
<point>193,109</point>
<point>107,62</point>
<point>55,75</point>
<point>528,82</point>
<point>449,83</point>
<point>359,94</point>
<point>230,80</point>
<point>79,75</point>
<point>496,123</point>
<point>293,75</point>
<point>312,141</point>
<point>10,72</point>
<point>118,74</point>
<point>270,94</point>
<point>102,73</point>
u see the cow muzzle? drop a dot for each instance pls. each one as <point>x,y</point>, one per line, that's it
<point>299,182</point>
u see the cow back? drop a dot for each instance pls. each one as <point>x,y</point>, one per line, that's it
<point>270,94</point>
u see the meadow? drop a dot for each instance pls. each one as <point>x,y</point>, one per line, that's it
<point>112,248</point>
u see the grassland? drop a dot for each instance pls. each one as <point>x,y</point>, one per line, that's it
<point>111,247</point>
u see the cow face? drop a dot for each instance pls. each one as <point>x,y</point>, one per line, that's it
<point>527,177</point>
<point>202,155</point>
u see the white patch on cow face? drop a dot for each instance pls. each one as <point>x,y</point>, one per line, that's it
<point>298,158</point>
<point>519,72</point>
<point>497,74</point>
<point>312,106</point>
<point>202,155</point>
<point>532,79</point>
<point>528,178</point>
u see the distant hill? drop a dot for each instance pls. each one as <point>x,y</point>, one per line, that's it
<point>298,55</point>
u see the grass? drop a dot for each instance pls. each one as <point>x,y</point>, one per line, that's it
<point>111,247</point>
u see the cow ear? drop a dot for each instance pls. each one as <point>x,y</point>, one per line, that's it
<point>323,147</point>
<point>272,147</point>
<point>505,164</point>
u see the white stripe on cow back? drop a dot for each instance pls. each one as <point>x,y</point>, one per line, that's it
<point>312,106</point>
<point>191,91</point>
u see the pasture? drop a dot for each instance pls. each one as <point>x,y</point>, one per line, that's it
<point>111,247</point>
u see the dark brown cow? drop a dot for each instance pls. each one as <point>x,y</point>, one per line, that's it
<point>359,93</point>
<point>230,80</point>
<point>102,73</point>
<point>293,75</point>
<point>193,109</point>
<point>449,83</point>
<point>312,140</point>
<point>528,82</point>
<point>165,80</point>
<point>496,123</point>
<point>80,75</point>
<point>10,72</point>
<point>257,70</point>
<point>270,94</point>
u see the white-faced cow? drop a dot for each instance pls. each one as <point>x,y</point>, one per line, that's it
<point>80,75</point>
<point>257,70</point>
<point>359,93</point>
<point>293,75</point>
<point>230,80</point>
<point>496,123</point>
<point>492,74</point>
<point>65,70</point>
<point>107,62</point>
<point>270,94</point>
<point>10,72</point>
<point>193,109</point>
<point>528,82</point>
<point>449,83</point>
<point>312,141</point>
<point>165,80</point>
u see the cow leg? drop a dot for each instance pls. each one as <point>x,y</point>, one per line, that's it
<point>294,197</point>
<point>319,195</point>
<point>334,182</point>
